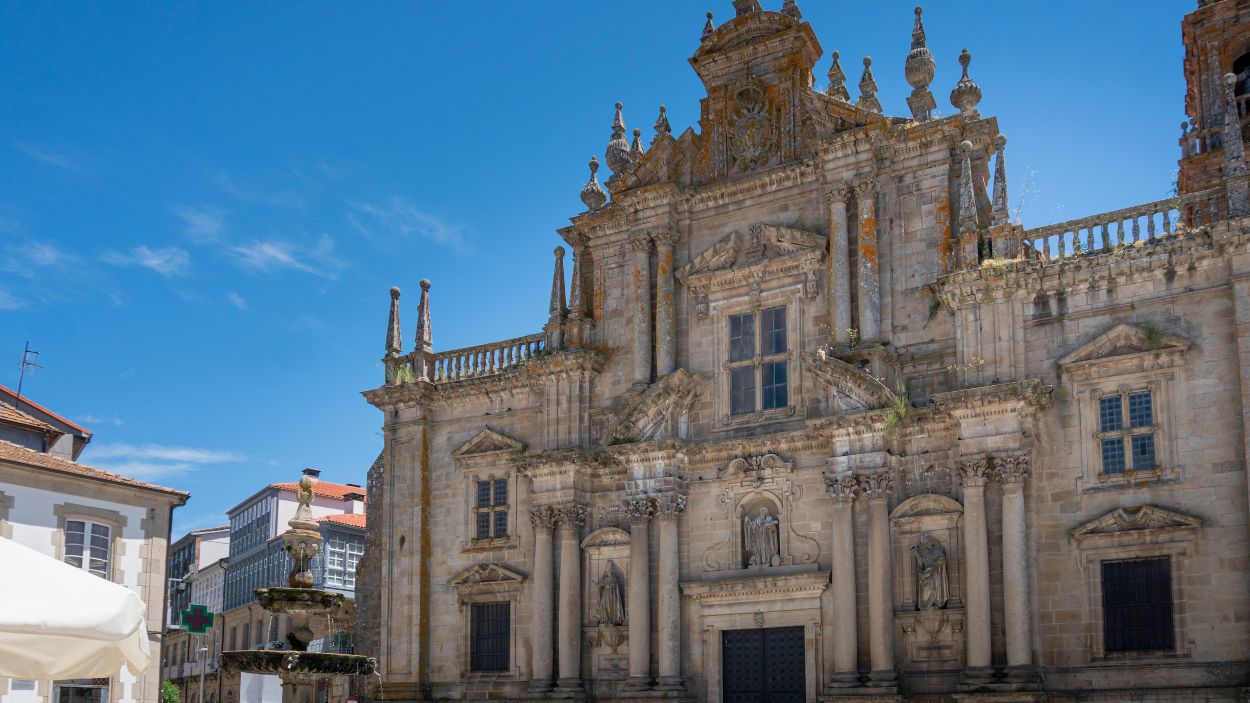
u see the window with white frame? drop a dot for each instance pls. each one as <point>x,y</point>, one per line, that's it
<point>342,555</point>
<point>1127,431</point>
<point>88,546</point>
<point>490,508</point>
<point>758,363</point>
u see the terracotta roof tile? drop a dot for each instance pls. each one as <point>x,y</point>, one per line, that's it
<point>13,416</point>
<point>325,489</point>
<point>351,519</point>
<point>38,460</point>
<point>13,394</point>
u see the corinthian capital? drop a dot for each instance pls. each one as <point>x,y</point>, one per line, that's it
<point>866,187</point>
<point>837,193</point>
<point>974,472</point>
<point>640,241</point>
<point>573,515</point>
<point>876,484</point>
<point>664,237</point>
<point>545,518</point>
<point>842,488</point>
<point>639,509</point>
<point>670,506</point>
<point>1013,468</point>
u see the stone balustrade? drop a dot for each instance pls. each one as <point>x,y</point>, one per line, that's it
<point>485,359</point>
<point>1104,232</point>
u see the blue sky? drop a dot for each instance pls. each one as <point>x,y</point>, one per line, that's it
<point>202,205</point>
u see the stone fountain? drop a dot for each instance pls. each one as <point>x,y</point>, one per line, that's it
<point>298,668</point>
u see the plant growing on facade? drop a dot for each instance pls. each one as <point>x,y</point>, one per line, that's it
<point>897,415</point>
<point>1153,333</point>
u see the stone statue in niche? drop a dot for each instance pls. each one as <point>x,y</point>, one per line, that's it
<point>610,609</point>
<point>932,585</point>
<point>761,538</point>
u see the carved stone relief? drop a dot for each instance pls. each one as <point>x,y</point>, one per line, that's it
<point>758,501</point>
<point>751,134</point>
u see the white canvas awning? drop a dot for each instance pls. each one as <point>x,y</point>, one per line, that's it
<point>58,622</point>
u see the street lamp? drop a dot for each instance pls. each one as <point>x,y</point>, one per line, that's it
<point>203,657</point>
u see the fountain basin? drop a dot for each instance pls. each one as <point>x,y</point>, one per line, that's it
<point>269,661</point>
<point>298,600</point>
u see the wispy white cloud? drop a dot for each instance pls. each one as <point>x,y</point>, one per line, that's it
<point>8,301</point>
<point>48,157</point>
<point>287,199</point>
<point>97,420</point>
<point>400,219</point>
<point>237,300</point>
<point>275,256</point>
<point>200,225</point>
<point>168,262</point>
<point>164,452</point>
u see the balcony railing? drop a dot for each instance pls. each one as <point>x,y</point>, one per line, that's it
<point>486,359</point>
<point>1128,226</point>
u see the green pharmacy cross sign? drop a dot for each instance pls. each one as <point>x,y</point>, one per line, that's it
<point>197,618</point>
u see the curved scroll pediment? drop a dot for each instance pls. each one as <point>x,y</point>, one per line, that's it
<point>854,390</point>
<point>653,414</point>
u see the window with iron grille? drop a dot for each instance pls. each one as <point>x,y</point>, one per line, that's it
<point>1137,605</point>
<point>88,546</point>
<point>1127,431</point>
<point>490,508</point>
<point>758,363</point>
<point>490,636</point>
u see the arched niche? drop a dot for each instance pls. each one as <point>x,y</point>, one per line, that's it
<point>938,516</point>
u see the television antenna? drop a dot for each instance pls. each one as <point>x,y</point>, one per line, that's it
<point>30,358</point>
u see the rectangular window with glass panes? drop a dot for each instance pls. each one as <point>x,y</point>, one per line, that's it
<point>87,546</point>
<point>759,361</point>
<point>1127,433</point>
<point>490,508</point>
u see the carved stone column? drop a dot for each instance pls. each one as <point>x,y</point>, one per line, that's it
<point>542,587</point>
<point>869,268</point>
<point>640,511</point>
<point>642,309</point>
<point>839,265</point>
<point>876,487</point>
<point>972,474</point>
<point>842,491</point>
<point>572,517</point>
<point>1012,471</point>
<point>669,508</point>
<point>666,342</point>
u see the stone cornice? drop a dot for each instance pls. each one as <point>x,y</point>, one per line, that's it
<point>994,400</point>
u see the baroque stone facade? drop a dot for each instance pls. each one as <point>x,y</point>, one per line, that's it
<point>815,420</point>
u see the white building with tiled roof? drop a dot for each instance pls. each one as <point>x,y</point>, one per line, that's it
<point>109,525</point>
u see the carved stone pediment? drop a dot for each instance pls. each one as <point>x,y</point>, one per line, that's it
<point>1145,523</point>
<point>488,441</point>
<point>654,413</point>
<point>854,389</point>
<point>1124,346</point>
<point>762,251</point>
<point>606,537</point>
<point>483,574</point>
<point>761,466</point>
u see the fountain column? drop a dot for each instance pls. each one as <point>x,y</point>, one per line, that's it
<point>977,555</point>
<point>640,511</point>
<point>572,517</point>
<point>543,520</point>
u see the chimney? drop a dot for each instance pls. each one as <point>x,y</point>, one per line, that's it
<point>314,474</point>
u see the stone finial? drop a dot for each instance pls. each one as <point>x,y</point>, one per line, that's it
<point>967,200</point>
<point>919,69</point>
<point>837,81</point>
<point>1234,150</point>
<point>790,8</point>
<point>999,209</point>
<point>556,309</point>
<point>742,7</point>
<point>635,149</point>
<point>708,28</point>
<point>394,343</point>
<point>868,89</point>
<point>425,335</point>
<point>661,124</point>
<point>966,94</point>
<point>593,194</point>
<point>617,154</point>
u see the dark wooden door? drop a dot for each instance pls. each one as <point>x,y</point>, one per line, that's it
<point>763,666</point>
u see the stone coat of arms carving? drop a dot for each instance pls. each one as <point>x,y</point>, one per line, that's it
<point>751,135</point>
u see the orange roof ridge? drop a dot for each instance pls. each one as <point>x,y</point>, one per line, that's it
<point>325,489</point>
<point>29,457</point>
<point>13,416</point>
<point>12,393</point>
<point>349,519</point>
